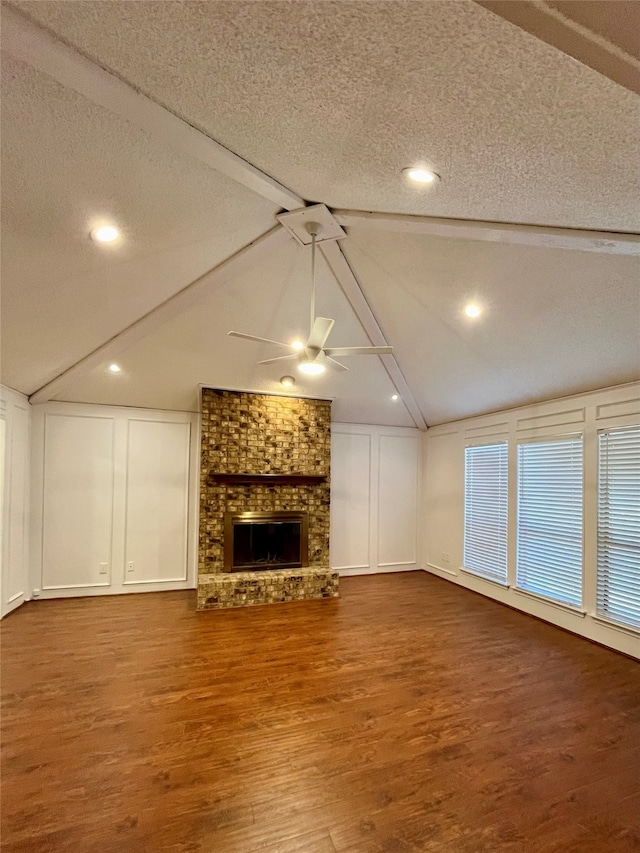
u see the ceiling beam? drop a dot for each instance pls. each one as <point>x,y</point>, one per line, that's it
<point>237,264</point>
<point>547,237</point>
<point>27,42</point>
<point>351,288</point>
<point>603,34</point>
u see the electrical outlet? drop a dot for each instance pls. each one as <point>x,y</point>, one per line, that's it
<point>445,557</point>
<point>104,569</point>
<point>131,566</point>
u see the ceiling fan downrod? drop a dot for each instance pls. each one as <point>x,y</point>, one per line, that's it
<point>314,229</point>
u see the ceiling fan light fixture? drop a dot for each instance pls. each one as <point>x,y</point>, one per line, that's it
<point>311,368</point>
<point>313,356</point>
<point>421,175</point>
<point>105,234</point>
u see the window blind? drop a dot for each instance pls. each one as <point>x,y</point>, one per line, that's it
<point>485,511</point>
<point>549,560</point>
<point>618,595</point>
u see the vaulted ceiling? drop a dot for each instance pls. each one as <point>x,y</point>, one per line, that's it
<point>112,111</point>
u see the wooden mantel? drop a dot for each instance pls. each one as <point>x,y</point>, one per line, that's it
<point>267,479</point>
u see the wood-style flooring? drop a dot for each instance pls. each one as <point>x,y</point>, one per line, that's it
<point>409,715</point>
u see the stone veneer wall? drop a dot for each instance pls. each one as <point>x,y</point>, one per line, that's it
<point>262,434</point>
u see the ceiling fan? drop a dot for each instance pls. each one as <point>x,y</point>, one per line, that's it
<point>313,356</point>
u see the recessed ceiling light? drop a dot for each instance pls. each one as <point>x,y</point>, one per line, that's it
<point>297,345</point>
<point>394,397</point>
<point>311,368</point>
<point>421,175</point>
<point>287,381</point>
<point>105,234</point>
<point>472,310</point>
<point>115,368</point>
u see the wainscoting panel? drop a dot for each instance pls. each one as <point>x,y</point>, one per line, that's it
<point>14,499</point>
<point>619,409</point>
<point>350,499</point>
<point>443,501</point>
<point>114,500</point>
<point>553,420</point>
<point>374,498</point>
<point>78,501</point>
<point>397,499</point>
<point>157,501</point>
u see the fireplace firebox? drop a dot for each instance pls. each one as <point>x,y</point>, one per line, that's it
<point>256,541</point>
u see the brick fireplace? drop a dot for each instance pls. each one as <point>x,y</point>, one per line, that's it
<point>264,459</point>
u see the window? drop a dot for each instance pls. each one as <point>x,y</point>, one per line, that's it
<point>485,511</point>
<point>619,526</point>
<point>549,559</point>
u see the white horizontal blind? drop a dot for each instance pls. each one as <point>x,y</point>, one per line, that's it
<point>619,526</point>
<point>485,511</point>
<point>549,559</point>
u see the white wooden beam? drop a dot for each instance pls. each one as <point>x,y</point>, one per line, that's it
<point>596,39</point>
<point>190,295</point>
<point>351,288</point>
<point>29,43</point>
<point>604,242</point>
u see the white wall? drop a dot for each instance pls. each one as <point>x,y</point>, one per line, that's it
<point>15,420</point>
<point>115,507</point>
<point>374,498</point>
<point>114,500</point>
<point>443,498</point>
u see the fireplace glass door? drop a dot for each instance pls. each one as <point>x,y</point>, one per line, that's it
<point>256,541</point>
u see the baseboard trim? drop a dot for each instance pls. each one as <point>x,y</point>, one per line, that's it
<point>377,570</point>
<point>585,626</point>
<point>95,592</point>
<point>437,569</point>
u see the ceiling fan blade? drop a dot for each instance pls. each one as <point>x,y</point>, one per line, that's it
<point>358,351</point>
<point>277,358</point>
<point>260,340</point>
<point>336,364</point>
<point>320,332</point>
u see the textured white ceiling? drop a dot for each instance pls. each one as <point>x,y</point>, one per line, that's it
<point>334,98</point>
<point>554,322</point>
<point>66,163</point>
<point>165,369</point>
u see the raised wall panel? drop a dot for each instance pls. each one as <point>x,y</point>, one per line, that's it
<point>554,419</point>
<point>350,500</point>
<point>444,506</point>
<point>156,501</point>
<point>3,501</point>
<point>486,430</point>
<point>397,499</point>
<point>15,579</point>
<point>618,409</point>
<point>15,437</point>
<point>77,501</point>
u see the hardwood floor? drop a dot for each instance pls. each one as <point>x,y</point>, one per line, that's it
<point>409,715</point>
